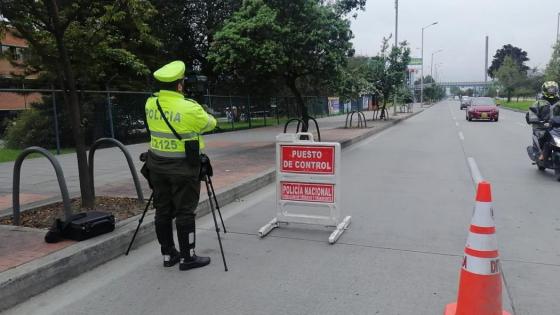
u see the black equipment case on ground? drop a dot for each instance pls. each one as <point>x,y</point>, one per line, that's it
<point>89,224</point>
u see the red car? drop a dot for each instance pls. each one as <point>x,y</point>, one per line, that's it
<point>483,108</point>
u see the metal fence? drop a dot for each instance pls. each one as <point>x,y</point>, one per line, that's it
<point>239,112</point>
<point>121,115</point>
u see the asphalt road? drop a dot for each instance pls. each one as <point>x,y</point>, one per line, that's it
<point>410,192</point>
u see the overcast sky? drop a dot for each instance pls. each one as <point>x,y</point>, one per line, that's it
<point>462,27</point>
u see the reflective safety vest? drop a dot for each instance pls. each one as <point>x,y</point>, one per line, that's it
<point>187,117</point>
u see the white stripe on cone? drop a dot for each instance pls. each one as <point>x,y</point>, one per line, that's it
<point>483,215</point>
<point>482,242</point>
<point>481,266</point>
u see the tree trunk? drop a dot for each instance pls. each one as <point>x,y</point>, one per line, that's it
<point>382,116</point>
<point>72,103</point>
<point>291,83</point>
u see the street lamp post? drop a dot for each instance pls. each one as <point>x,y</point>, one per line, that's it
<point>396,45</point>
<point>396,22</point>
<point>432,62</point>
<point>422,68</point>
<point>558,29</point>
<point>110,107</point>
<point>437,67</point>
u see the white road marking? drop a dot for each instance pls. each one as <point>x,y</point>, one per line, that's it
<point>475,172</point>
<point>521,124</point>
<point>461,136</point>
<point>457,124</point>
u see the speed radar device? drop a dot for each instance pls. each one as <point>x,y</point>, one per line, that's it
<point>308,187</point>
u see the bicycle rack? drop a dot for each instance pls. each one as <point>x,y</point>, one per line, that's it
<point>302,123</point>
<point>361,119</point>
<point>59,176</point>
<point>124,150</point>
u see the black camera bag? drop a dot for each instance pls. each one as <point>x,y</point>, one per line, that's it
<point>88,224</point>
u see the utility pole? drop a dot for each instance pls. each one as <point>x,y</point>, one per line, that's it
<point>432,62</point>
<point>422,68</point>
<point>397,22</point>
<point>558,29</point>
<point>486,61</point>
<point>396,46</point>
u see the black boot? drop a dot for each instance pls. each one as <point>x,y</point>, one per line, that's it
<point>187,240</point>
<point>164,232</point>
<point>172,258</point>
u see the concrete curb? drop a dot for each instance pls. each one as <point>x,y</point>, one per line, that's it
<point>24,281</point>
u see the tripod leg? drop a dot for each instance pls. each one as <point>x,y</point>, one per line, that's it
<point>215,221</point>
<point>139,223</point>
<point>216,202</point>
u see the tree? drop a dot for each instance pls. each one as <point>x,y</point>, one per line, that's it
<point>491,91</point>
<point>455,90</point>
<point>509,76</point>
<point>76,42</point>
<point>523,91</point>
<point>187,29</point>
<point>352,80</point>
<point>291,41</point>
<point>552,72</point>
<point>387,69</point>
<point>518,55</point>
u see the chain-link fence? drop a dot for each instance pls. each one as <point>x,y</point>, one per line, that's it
<point>240,112</point>
<point>43,119</point>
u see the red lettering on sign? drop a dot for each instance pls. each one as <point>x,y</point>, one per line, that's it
<point>307,159</point>
<point>309,192</point>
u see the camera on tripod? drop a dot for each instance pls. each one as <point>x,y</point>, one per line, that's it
<point>143,156</point>
<point>205,167</point>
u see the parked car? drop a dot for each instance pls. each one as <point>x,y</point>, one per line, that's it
<point>465,102</point>
<point>482,108</point>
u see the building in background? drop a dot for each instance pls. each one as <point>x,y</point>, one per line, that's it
<point>11,76</point>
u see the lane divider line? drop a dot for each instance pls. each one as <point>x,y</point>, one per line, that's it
<point>461,136</point>
<point>475,172</point>
<point>457,124</point>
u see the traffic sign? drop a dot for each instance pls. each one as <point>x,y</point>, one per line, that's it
<point>308,184</point>
<point>307,159</point>
<point>310,192</point>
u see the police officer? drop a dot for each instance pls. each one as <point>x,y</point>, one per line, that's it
<point>176,125</point>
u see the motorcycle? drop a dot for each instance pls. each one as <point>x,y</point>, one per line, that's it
<point>551,130</point>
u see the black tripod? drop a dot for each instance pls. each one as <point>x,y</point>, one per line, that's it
<point>139,223</point>
<point>206,174</point>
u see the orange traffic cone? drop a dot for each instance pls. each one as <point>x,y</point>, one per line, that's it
<point>480,284</point>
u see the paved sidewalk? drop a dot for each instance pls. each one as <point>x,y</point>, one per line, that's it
<point>236,156</point>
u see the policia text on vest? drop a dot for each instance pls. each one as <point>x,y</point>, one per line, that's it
<point>174,178</point>
<point>187,117</point>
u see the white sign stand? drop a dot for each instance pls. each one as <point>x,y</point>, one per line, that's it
<point>308,176</point>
